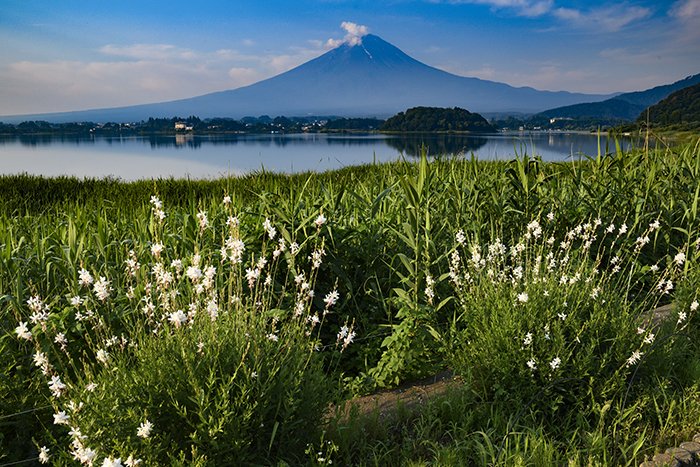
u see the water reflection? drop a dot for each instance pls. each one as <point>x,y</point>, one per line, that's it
<point>136,157</point>
<point>436,144</point>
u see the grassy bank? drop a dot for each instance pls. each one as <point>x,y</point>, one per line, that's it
<point>215,322</point>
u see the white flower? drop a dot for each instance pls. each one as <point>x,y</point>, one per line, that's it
<point>235,249</point>
<point>91,387</point>
<point>203,221</point>
<point>76,434</point>
<point>76,301</point>
<point>157,249</point>
<point>679,259</point>
<point>528,339</point>
<point>623,230</point>
<point>273,337</point>
<point>35,304</point>
<point>348,339</point>
<point>271,231</point>
<point>44,455</point>
<point>641,241</point>
<point>213,309</point>
<point>460,237</point>
<point>157,204</point>
<point>60,418</point>
<point>23,331</point>
<point>320,220</point>
<point>531,364</point>
<point>649,338</point>
<point>314,320</point>
<point>111,462</point>
<point>294,248</point>
<point>56,386</point>
<point>131,462</point>
<point>694,305</point>
<point>682,316</point>
<point>102,356</point>
<point>562,316</point>
<point>550,216</point>
<point>85,277</point>
<point>654,225</point>
<point>102,289</point>
<point>523,297</point>
<point>227,200</point>
<point>83,454</point>
<point>144,430</point>
<point>634,358</point>
<point>331,299</point>
<point>316,256</point>
<point>39,317</point>
<point>534,229</point>
<point>251,276</point>
<point>194,273</point>
<point>555,363</point>
<point>61,340</point>
<point>178,318</point>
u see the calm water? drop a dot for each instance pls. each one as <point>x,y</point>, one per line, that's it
<point>191,156</point>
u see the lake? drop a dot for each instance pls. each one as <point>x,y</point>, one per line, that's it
<point>193,156</point>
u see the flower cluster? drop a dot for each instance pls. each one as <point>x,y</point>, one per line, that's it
<point>168,294</point>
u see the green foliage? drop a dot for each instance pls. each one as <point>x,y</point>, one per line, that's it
<point>428,119</point>
<point>389,241</point>
<point>239,397</point>
<point>680,110</point>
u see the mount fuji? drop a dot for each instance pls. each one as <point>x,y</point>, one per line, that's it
<point>368,78</point>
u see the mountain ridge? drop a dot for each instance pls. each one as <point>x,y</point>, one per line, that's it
<point>680,109</point>
<point>368,79</point>
<point>625,106</point>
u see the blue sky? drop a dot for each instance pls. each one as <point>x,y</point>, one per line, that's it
<point>71,55</point>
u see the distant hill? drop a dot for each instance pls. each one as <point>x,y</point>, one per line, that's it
<point>625,106</point>
<point>432,119</point>
<point>615,108</point>
<point>372,78</point>
<point>681,110</point>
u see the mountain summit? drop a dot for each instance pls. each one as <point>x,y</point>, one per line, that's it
<point>366,77</point>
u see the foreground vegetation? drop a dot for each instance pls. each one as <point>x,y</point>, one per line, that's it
<point>226,321</point>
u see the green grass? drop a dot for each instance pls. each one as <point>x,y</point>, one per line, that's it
<point>389,245</point>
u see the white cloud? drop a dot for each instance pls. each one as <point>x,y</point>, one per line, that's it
<point>685,9</point>
<point>609,19</point>
<point>148,51</point>
<point>528,8</point>
<point>549,76</point>
<point>136,74</point>
<point>354,34</point>
<point>244,76</point>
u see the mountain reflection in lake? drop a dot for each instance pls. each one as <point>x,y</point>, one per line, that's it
<point>414,145</point>
<point>194,156</point>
